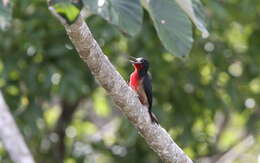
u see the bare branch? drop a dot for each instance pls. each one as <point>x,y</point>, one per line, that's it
<point>122,95</point>
<point>11,137</point>
<point>237,150</point>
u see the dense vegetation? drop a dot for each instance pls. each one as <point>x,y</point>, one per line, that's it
<point>209,102</point>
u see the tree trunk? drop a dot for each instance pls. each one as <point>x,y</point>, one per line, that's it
<point>11,137</point>
<point>68,110</point>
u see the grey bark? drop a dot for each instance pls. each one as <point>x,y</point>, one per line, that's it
<point>11,137</point>
<point>122,95</point>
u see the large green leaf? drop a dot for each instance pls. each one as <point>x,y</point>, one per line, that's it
<point>5,13</point>
<point>172,25</point>
<point>126,14</point>
<point>194,10</point>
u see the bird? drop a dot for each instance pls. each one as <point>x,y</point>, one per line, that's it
<point>140,82</point>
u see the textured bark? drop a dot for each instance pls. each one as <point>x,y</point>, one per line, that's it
<point>11,137</point>
<point>122,95</point>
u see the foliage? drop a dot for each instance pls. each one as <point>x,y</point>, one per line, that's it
<point>127,15</point>
<point>207,102</point>
<point>172,24</point>
<point>175,32</point>
<point>69,11</point>
<point>5,14</point>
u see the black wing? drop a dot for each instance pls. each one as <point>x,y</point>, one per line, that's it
<point>147,84</point>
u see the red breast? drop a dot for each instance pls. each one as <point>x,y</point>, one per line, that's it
<point>134,80</point>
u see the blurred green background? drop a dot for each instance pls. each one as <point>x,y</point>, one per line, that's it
<point>209,103</point>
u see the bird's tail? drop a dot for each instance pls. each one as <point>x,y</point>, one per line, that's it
<point>153,117</point>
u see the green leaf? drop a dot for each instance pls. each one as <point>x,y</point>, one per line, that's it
<point>126,14</point>
<point>172,25</point>
<point>68,10</point>
<point>5,14</point>
<point>194,10</point>
<point>101,104</point>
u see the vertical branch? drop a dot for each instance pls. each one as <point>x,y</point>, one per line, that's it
<point>11,137</point>
<point>68,110</point>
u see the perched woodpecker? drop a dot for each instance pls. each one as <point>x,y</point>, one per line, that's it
<point>140,82</point>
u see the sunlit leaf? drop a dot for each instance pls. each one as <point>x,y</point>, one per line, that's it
<point>101,104</point>
<point>12,90</point>
<point>84,128</point>
<point>195,12</point>
<point>51,116</point>
<point>255,85</point>
<point>70,160</point>
<point>68,10</point>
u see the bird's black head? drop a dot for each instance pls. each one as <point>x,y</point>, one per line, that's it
<point>140,64</point>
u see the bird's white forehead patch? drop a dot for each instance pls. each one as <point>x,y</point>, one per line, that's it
<point>139,59</point>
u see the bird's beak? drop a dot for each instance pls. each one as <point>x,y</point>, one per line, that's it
<point>133,60</point>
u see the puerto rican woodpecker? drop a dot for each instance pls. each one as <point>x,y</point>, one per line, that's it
<point>140,82</point>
